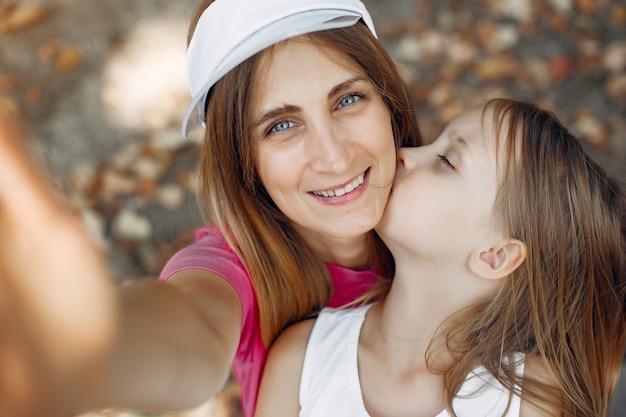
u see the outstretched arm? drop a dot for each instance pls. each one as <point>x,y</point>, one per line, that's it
<point>57,308</point>
<point>70,340</point>
<point>280,386</point>
<point>176,344</point>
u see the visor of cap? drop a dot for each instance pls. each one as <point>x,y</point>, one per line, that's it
<point>225,37</point>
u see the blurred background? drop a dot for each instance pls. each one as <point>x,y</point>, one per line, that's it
<point>102,87</point>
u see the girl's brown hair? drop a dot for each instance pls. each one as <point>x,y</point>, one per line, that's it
<point>565,304</point>
<point>289,280</point>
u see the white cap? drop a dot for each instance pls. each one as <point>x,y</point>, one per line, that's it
<point>231,31</point>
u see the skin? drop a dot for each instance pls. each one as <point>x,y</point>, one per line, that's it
<point>450,213</point>
<point>176,343</point>
<point>311,146</point>
<point>39,233</point>
<point>449,254</point>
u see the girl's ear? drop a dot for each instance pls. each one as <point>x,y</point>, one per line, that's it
<point>498,261</point>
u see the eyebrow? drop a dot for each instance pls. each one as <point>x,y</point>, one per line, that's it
<point>345,85</point>
<point>271,114</point>
<point>461,141</point>
<point>458,141</point>
<point>288,108</point>
<point>456,138</point>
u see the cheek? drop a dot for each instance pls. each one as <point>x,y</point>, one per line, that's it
<point>264,166</point>
<point>383,148</point>
<point>390,155</point>
<point>409,197</point>
<point>421,197</point>
<point>277,171</point>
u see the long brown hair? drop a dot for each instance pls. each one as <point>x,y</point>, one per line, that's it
<point>289,280</point>
<point>565,304</point>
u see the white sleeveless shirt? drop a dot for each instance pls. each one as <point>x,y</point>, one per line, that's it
<point>330,380</point>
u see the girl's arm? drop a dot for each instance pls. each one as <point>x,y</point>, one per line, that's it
<point>70,340</point>
<point>280,386</point>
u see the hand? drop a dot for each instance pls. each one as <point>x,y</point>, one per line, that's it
<point>57,304</point>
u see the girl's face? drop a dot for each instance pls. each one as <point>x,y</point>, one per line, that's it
<point>325,145</point>
<point>443,194</point>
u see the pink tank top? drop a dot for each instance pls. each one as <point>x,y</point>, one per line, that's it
<point>211,252</point>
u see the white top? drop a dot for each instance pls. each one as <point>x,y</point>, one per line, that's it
<point>330,380</point>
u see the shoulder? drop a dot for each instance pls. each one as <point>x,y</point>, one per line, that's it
<point>208,244</point>
<point>280,385</point>
<point>538,369</point>
<point>292,344</point>
<point>290,347</point>
<point>214,297</point>
<point>211,257</point>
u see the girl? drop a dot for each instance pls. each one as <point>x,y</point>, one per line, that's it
<point>304,111</point>
<point>508,296</point>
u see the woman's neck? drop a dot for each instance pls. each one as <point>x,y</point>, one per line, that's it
<point>351,252</point>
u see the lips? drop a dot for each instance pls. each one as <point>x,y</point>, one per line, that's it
<point>347,189</point>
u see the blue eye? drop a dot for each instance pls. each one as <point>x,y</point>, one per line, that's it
<point>281,126</point>
<point>349,99</point>
<point>446,161</point>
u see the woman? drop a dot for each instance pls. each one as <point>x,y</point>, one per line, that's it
<point>297,165</point>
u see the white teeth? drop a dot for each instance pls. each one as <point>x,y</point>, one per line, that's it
<point>344,190</point>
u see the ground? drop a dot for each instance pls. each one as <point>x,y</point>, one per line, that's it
<point>102,86</point>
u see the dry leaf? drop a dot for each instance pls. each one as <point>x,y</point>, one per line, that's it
<point>48,50</point>
<point>588,6</point>
<point>559,22</point>
<point>616,88</point>
<point>618,14</point>
<point>590,128</point>
<point>8,105</point>
<point>17,16</point>
<point>33,94</point>
<point>68,58</point>
<point>560,68</point>
<point>497,67</point>
<point>8,81</point>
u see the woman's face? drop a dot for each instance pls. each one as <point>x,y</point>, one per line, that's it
<point>325,145</point>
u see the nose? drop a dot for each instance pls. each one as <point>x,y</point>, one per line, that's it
<point>328,150</point>
<point>408,158</point>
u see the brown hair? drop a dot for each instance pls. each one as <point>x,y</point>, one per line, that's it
<point>565,304</point>
<point>289,280</point>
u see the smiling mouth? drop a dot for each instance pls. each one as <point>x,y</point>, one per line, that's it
<point>353,185</point>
